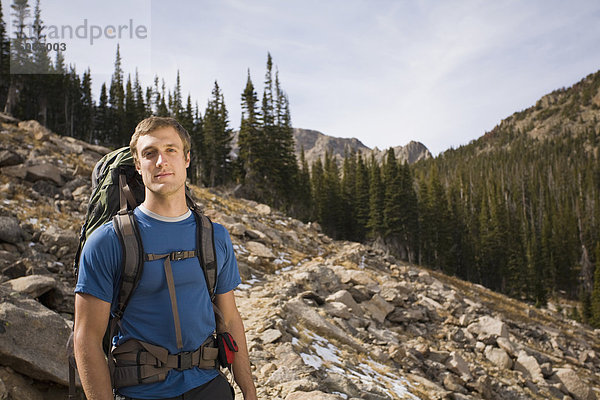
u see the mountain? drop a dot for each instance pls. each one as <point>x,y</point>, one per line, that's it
<point>325,319</point>
<point>315,145</point>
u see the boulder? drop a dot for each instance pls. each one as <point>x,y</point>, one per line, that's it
<point>459,366</point>
<point>54,236</point>
<point>34,173</point>
<point>237,229</point>
<point>40,132</point>
<point>33,285</point>
<point>32,339</point>
<point>263,209</point>
<point>259,250</point>
<point>576,387</point>
<point>529,366</point>
<point>311,319</point>
<point>499,357</point>
<point>337,309</point>
<point>344,297</point>
<point>488,329</point>
<point>10,231</point>
<point>507,346</point>
<point>378,308</point>
<point>270,336</point>
<point>8,158</point>
<point>314,395</point>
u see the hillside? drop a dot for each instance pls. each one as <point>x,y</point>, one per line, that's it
<point>517,209</point>
<point>325,319</point>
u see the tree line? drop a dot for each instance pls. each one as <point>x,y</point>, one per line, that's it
<point>523,219</point>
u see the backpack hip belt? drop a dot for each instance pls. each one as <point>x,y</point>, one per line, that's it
<point>135,362</point>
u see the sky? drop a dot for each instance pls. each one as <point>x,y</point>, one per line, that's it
<point>384,71</point>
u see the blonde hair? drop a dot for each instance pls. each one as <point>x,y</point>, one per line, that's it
<point>152,124</point>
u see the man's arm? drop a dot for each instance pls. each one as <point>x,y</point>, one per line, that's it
<point>91,318</point>
<point>241,365</point>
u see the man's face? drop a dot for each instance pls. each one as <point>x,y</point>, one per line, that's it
<point>162,162</point>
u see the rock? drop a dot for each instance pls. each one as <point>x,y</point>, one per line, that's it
<point>255,234</point>
<point>378,308</point>
<point>507,346</point>
<point>499,357</point>
<point>337,309</point>
<point>8,158</point>
<point>314,395</point>
<point>454,384</point>
<point>33,285</point>
<point>344,297</point>
<point>54,236</point>
<point>237,229</point>
<point>263,209</point>
<point>10,231</point>
<point>34,173</point>
<point>459,366</point>
<point>259,250</point>
<point>270,336</point>
<point>311,319</point>
<point>488,329</point>
<point>576,387</point>
<point>282,374</point>
<point>33,340</point>
<point>17,386</point>
<point>40,132</point>
<point>529,366</point>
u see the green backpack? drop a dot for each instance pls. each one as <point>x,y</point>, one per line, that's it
<point>117,188</point>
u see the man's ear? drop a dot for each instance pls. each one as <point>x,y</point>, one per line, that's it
<point>187,160</point>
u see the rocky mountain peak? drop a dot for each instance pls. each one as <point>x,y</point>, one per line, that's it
<point>325,319</point>
<point>315,145</point>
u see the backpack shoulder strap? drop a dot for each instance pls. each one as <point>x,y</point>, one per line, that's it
<point>206,246</point>
<point>133,251</point>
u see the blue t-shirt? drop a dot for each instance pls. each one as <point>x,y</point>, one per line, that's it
<point>148,316</point>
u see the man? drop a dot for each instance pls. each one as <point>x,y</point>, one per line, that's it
<point>161,152</point>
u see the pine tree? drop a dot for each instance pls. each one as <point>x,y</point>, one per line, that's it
<point>131,117</point>
<point>348,196</point>
<point>376,201</point>
<point>5,76</point>
<point>198,146</point>
<point>304,198</point>
<point>217,163</point>
<point>362,199</point>
<point>86,114</point>
<point>595,298</point>
<point>317,178</point>
<point>20,61</point>
<point>119,134</point>
<point>177,106</point>
<point>102,124</point>
<point>251,143</point>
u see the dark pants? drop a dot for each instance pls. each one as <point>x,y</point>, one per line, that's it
<point>217,389</point>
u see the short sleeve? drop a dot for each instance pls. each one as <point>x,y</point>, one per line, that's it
<point>228,275</point>
<point>99,264</point>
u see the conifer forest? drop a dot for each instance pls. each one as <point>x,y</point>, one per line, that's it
<point>517,210</point>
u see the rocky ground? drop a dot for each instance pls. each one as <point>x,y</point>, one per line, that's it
<point>324,319</point>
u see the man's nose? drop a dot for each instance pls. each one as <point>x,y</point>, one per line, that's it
<point>161,159</point>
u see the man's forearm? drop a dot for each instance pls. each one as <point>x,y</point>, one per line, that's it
<point>93,372</point>
<point>241,365</point>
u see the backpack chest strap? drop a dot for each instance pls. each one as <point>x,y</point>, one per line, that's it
<point>173,256</point>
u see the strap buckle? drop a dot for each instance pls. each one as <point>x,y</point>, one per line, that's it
<point>177,255</point>
<point>184,360</point>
